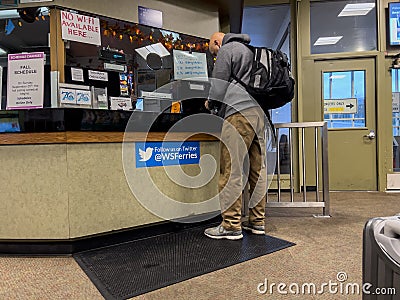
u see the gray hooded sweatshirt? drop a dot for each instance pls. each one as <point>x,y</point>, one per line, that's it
<point>233,58</point>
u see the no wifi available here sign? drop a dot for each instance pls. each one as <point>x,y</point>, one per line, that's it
<point>80,28</point>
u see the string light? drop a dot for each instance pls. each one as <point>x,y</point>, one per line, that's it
<point>134,34</point>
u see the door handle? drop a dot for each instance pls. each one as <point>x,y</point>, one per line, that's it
<point>370,135</point>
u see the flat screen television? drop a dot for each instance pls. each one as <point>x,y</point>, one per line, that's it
<point>394,23</point>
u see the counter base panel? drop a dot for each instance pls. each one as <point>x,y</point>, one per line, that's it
<point>59,192</point>
<point>67,247</point>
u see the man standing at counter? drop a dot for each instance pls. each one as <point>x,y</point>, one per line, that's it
<point>242,134</point>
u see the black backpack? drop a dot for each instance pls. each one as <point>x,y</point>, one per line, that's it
<point>271,81</point>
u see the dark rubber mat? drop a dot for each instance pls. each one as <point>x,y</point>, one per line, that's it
<point>130,269</point>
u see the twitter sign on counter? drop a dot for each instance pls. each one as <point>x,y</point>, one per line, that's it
<point>157,154</point>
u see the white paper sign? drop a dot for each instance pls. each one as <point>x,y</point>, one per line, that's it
<point>1,83</point>
<point>67,96</point>
<point>25,80</point>
<point>156,95</point>
<point>190,65</point>
<point>198,87</point>
<point>120,103</point>
<point>395,101</point>
<point>80,28</point>
<point>31,1</point>
<point>102,101</point>
<point>340,106</point>
<point>97,75</point>
<point>115,67</point>
<point>83,97</point>
<point>77,74</point>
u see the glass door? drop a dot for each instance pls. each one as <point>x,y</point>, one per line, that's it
<point>396,118</point>
<point>347,92</point>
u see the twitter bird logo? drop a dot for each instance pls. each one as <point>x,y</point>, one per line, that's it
<point>145,155</point>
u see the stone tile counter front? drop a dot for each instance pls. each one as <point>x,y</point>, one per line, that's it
<point>63,185</point>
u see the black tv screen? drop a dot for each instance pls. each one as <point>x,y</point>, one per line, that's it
<point>394,23</point>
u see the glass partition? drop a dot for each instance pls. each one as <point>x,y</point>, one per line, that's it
<point>25,30</point>
<point>396,118</point>
<point>118,66</point>
<point>125,52</point>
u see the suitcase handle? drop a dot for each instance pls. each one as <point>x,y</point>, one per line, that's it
<point>387,234</point>
<point>392,229</point>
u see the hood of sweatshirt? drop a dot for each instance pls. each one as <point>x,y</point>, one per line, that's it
<point>236,37</point>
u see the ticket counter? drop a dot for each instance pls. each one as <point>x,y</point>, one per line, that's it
<point>62,129</point>
<point>64,185</point>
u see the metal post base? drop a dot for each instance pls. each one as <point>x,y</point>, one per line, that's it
<point>322,216</point>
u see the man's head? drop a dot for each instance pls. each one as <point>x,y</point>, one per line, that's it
<point>216,42</point>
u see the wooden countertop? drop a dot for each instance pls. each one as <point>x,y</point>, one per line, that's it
<point>69,137</point>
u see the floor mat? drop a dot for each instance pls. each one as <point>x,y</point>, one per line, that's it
<point>130,269</point>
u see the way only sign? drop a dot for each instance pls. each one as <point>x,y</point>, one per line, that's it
<point>340,106</point>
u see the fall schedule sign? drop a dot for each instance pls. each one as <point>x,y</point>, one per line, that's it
<point>25,80</point>
<point>80,28</point>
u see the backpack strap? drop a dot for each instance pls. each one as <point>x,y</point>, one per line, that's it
<point>239,81</point>
<point>257,58</point>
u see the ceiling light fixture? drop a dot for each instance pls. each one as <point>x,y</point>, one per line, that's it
<point>356,9</point>
<point>337,77</point>
<point>328,40</point>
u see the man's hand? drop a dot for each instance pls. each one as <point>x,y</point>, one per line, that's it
<point>207,105</point>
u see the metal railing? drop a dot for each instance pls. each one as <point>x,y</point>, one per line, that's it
<point>318,138</point>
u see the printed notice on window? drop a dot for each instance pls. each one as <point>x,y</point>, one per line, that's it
<point>395,102</point>
<point>190,65</point>
<point>340,106</point>
<point>80,28</point>
<point>98,75</point>
<point>25,80</point>
<point>77,74</point>
<point>120,103</point>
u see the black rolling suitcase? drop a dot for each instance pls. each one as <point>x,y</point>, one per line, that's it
<point>381,259</point>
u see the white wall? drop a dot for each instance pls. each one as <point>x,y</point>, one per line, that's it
<point>191,17</point>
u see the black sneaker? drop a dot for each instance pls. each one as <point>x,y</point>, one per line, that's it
<point>220,232</point>
<point>256,229</point>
